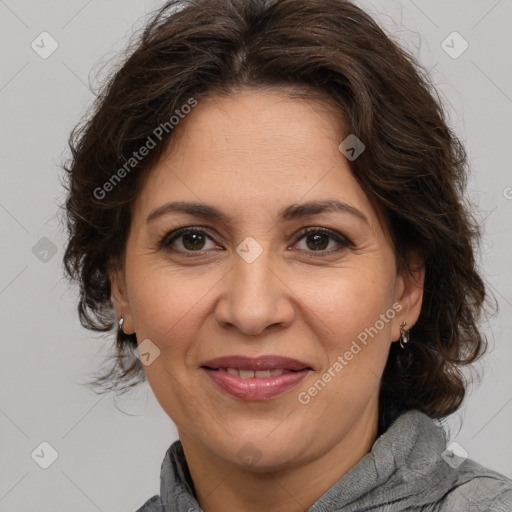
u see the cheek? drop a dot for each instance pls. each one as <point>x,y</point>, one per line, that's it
<point>356,317</point>
<point>351,305</point>
<point>167,308</point>
<point>360,315</point>
<point>166,305</point>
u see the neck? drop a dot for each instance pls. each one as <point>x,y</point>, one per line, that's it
<point>223,487</point>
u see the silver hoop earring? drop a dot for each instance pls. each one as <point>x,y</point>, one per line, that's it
<point>121,322</point>
<point>404,335</point>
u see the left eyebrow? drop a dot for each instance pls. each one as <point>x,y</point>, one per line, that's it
<point>291,212</point>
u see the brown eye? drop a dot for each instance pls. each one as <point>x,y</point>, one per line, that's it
<point>193,241</point>
<point>186,240</point>
<point>318,240</point>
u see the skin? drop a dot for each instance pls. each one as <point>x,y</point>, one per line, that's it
<point>251,155</point>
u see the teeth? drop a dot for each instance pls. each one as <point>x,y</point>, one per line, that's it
<point>249,374</point>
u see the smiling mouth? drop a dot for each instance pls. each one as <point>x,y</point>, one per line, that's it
<point>256,379</point>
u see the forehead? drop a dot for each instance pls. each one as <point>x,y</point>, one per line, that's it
<point>252,151</point>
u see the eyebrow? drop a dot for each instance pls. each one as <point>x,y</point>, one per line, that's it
<point>291,212</point>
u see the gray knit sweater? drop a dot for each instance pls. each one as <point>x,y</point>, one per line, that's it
<point>406,470</point>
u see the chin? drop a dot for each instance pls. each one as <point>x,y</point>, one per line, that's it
<point>259,454</point>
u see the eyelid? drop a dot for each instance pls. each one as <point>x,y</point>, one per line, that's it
<point>341,239</point>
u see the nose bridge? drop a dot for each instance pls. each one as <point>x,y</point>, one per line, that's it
<point>253,265</point>
<point>254,297</point>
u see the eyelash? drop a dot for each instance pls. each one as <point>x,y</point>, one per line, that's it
<point>169,238</point>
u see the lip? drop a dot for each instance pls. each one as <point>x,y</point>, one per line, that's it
<point>257,388</point>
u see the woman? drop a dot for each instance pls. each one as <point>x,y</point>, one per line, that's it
<point>269,197</point>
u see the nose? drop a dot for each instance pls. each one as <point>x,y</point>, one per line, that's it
<point>254,297</point>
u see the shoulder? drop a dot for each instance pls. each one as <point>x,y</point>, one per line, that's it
<point>476,488</point>
<point>154,504</point>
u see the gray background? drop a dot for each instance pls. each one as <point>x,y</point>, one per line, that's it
<point>110,449</point>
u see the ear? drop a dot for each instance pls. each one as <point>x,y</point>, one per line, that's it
<point>409,293</point>
<point>121,299</point>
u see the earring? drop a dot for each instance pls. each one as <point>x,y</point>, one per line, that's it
<point>404,335</point>
<point>121,324</point>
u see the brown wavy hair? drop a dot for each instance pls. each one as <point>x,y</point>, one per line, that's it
<point>414,168</point>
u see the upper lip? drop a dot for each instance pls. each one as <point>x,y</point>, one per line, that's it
<point>258,363</point>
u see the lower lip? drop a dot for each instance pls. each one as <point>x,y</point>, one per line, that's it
<point>263,388</point>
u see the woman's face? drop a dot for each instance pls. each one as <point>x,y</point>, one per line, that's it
<point>251,286</point>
